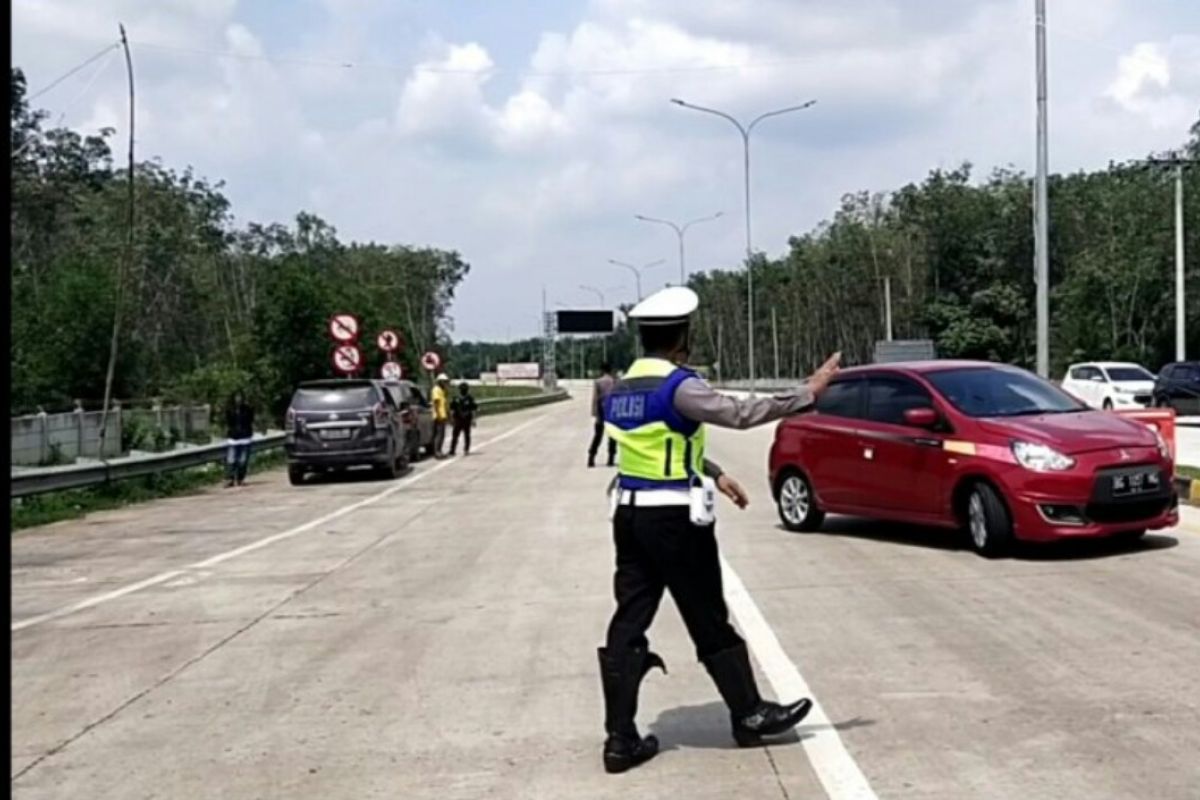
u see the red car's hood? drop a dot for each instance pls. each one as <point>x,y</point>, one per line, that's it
<point>1075,433</point>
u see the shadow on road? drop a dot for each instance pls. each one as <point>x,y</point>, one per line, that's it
<point>942,539</point>
<point>706,727</point>
<point>352,475</point>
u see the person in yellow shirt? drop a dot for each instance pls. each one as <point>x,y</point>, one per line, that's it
<point>441,413</point>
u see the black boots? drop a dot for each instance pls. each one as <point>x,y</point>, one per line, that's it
<point>621,673</point>
<point>752,717</point>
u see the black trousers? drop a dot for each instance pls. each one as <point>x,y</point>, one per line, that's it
<point>659,548</point>
<point>461,426</point>
<point>597,435</point>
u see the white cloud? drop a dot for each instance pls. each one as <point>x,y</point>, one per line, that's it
<point>533,163</point>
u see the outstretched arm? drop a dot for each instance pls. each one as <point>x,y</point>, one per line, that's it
<point>698,401</point>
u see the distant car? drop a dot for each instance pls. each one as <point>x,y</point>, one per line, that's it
<point>1110,385</point>
<point>1178,387</point>
<point>336,424</point>
<point>988,448</point>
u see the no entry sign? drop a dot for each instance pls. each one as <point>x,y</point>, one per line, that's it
<point>390,371</point>
<point>344,328</point>
<point>347,359</point>
<point>431,361</point>
<point>389,341</point>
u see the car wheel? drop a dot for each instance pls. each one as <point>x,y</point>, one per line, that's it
<point>414,449</point>
<point>295,475</point>
<point>988,522</point>
<point>797,506</point>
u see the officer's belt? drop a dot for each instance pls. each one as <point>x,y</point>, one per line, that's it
<point>654,497</point>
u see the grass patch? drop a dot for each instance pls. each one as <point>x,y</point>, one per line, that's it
<point>490,392</point>
<point>1182,471</point>
<point>43,509</point>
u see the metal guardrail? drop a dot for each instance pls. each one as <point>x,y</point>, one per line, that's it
<point>51,479</point>
<point>77,476</point>
<point>496,405</point>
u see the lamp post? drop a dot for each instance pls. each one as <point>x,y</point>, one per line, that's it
<point>745,131</point>
<point>680,230</point>
<point>637,272</point>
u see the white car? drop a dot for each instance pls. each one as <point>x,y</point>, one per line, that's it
<point>1110,384</point>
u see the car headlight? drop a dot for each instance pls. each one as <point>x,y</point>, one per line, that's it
<point>1040,458</point>
<point>1163,449</point>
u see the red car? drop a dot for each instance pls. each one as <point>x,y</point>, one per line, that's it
<point>963,444</point>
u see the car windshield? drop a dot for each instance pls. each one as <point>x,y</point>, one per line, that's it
<point>334,398</point>
<point>984,392</point>
<point>1128,374</point>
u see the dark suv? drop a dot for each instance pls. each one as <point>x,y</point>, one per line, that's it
<point>335,424</point>
<point>1178,387</point>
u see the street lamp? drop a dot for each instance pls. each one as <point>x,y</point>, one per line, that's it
<point>680,230</point>
<point>745,131</point>
<point>637,272</point>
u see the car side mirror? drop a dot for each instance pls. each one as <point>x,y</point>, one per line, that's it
<point>921,417</point>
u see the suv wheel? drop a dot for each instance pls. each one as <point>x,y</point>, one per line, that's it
<point>797,506</point>
<point>988,522</point>
<point>295,474</point>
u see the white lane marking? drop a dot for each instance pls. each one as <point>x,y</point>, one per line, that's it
<point>835,768</point>
<point>99,599</point>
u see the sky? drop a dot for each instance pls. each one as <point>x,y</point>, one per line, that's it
<point>528,135</point>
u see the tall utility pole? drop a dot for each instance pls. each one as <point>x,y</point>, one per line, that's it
<point>1041,236</point>
<point>887,305</point>
<point>126,261</point>
<point>1177,162</point>
<point>775,337</point>
<point>680,230</point>
<point>745,131</point>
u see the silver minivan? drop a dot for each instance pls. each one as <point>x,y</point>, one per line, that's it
<point>333,425</point>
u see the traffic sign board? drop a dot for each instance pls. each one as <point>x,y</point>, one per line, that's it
<point>431,361</point>
<point>344,327</point>
<point>390,371</point>
<point>389,341</point>
<point>347,359</point>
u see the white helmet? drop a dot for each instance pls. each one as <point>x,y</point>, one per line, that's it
<point>669,306</point>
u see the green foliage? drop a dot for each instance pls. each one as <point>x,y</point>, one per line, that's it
<point>959,255</point>
<point>208,307</point>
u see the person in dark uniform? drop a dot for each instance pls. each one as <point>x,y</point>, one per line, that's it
<point>601,388</point>
<point>657,413</point>
<point>462,413</point>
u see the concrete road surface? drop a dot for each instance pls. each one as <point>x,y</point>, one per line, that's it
<point>434,637</point>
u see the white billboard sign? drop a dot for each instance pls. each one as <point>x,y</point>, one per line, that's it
<point>513,372</point>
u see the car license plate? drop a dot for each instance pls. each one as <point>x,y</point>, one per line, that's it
<point>1133,483</point>
<point>335,433</point>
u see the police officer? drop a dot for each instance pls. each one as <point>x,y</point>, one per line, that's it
<point>657,414</point>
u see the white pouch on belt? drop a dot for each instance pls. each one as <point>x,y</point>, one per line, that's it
<point>702,508</point>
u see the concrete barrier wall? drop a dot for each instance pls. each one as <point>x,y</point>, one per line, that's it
<point>39,439</point>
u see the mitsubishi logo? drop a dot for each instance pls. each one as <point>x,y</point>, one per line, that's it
<point>1125,455</point>
<point>333,417</point>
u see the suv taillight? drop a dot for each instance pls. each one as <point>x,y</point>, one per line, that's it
<point>381,415</point>
<point>290,419</point>
<point>408,417</point>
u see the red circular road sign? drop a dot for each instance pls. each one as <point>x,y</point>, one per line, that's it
<point>390,371</point>
<point>431,361</point>
<point>344,328</point>
<point>347,359</point>
<point>389,341</point>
